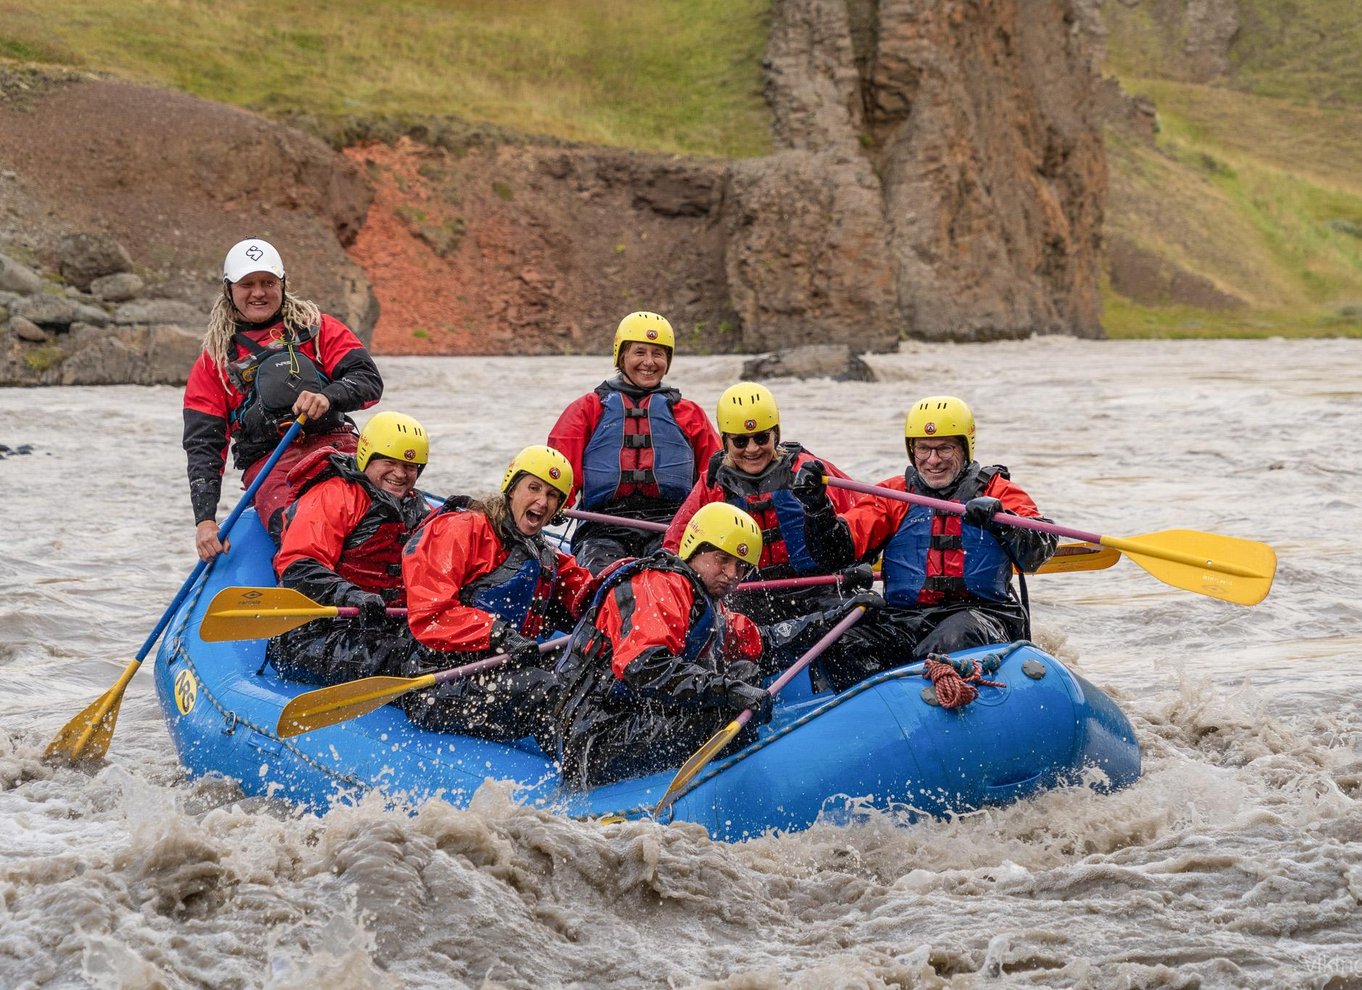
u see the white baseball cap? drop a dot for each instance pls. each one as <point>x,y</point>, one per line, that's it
<point>252,255</point>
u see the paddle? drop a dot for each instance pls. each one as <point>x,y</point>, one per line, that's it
<point>1223,567</point>
<point>1068,557</point>
<point>1079,557</point>
<point>87,736</point>
<point>724,736</point>
<point>259,613</point>
<point>601,517</point>
<point>342,702</point>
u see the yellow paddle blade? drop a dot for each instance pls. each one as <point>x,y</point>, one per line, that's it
<point>1224,567</point>
<point>697,763</point>
<point>87,736</point>
<point>1079,557</point>
<point>258,613</point>
<point>342,702</point>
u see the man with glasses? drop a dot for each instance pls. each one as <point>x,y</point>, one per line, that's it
<point>947,578</point>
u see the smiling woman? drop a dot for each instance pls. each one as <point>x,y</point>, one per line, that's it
<point>756,470</point>
<point>635,445</point>
<point>482,580</point>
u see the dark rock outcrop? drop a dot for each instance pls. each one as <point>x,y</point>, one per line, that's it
<point>978,120</point>
<point>938,174</point>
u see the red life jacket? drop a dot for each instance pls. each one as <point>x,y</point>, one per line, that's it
<point>371,556</point>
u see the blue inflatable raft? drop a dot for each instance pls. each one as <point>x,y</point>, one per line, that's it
<point>883,744</point>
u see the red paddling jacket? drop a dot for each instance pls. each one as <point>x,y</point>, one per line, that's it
<point>344,535</point>
<point>462,574</point>
<point>215,397</point>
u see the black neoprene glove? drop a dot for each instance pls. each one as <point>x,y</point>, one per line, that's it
<point>742,670</point>
<point>522,650</point>
<point>857,577</point>
<point>866,599</point>
<point>980,512</point>
<point>810,488</point>
<point>372,608</point>
<point>740,695</point>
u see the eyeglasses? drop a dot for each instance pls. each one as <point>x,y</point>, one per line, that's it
<point>943,451</point>
<point>741,440</point>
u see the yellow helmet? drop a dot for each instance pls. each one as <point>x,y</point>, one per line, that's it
<point>393,435</point>
<point>545,463</point>
<point>724,526</point>
<point>647,328</point>
<point>747,408</point>
<point>940,416</point>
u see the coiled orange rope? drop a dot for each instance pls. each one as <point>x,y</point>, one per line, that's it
<point>953,690</point>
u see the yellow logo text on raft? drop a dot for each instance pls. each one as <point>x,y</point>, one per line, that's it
<point>186,692</point>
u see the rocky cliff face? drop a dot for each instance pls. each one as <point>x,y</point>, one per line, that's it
<point>939,175</point>
<point>976,121</point>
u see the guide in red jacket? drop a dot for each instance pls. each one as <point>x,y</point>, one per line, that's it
<point>268,357</point>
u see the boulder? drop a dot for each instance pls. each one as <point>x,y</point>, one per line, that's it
<point>96,356</point>
<point>28,330</point>
<point>18,278</point>
<point>84,257</point>
<point>57,312</point>
<point>835,361</point>
<point>161,311</point>
<point>116,288</point>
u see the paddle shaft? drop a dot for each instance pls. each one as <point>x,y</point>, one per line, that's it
<point>89,733</point>
<point>810,655</point>
<point>601,517</point>
<point>223,532</point>
<point>1041,526</point>
<point>716,743</point>
<point>343,702</point>
<point>477,666</point>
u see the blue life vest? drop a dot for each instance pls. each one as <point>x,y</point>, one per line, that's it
<point>987,571</point>
<point>520,588</point>
<point>610,463</point>
<point>774,507</point>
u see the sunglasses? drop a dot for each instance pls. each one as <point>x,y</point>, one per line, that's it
<point>741,440</point>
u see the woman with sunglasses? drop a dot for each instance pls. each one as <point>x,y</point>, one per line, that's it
<point>635,445</point>
<point>755,470</point>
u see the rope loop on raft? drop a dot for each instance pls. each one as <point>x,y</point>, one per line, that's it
<point>954,680</point>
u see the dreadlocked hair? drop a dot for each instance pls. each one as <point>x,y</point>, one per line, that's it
<point>223,322</point>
